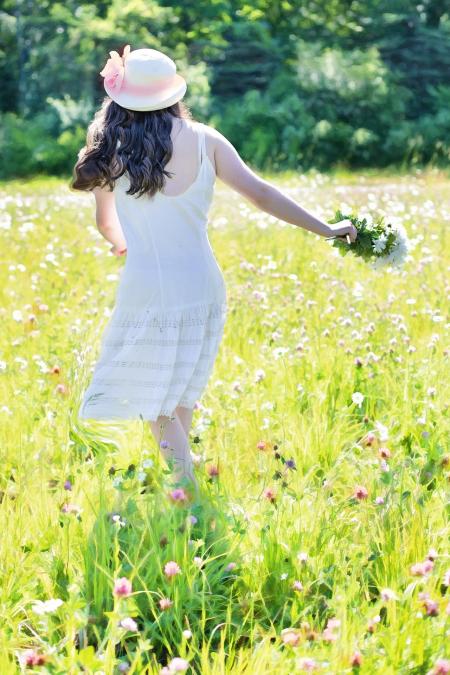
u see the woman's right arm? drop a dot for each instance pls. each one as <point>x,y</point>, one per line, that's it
<point>233,171</point>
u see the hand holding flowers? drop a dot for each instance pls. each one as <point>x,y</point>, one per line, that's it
<point>378,242</point>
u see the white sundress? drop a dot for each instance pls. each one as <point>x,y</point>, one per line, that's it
<point>160,344</point>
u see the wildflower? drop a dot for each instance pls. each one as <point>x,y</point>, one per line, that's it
<point>446,578</point>
<point>379,500</point>
<point>357,398</point>
<point>370,438</point>
<point>71,508</point>
<point>297,585</point>
<point>198,562</point>
<point>302,556</point>
<point>178,495</point>
<point>31,657</point>
<point>178,665</point>
<point>61,389</point>
<point>187,634</point>
<point>431,607</point>
<point>171,568</point>
<point>333,623</point>
<point>261,445</point>
<point>165,603</point>
<point>231,566</point>
<point>360,492</point>
<point>388,594</point>
<point>384,466</point>
<point>290,636</point>
<point>379,244</point>
<point>212,470</point>
<point>420,569</point>
<point>164,444</point>
<point>123,667</point>
<point>441,667</point>
<point>116,518</point>
<point>283,576</point>
<point>129,624</point>
<point>307,663</point>
<point>432,554</point>
<point>46,607</point>
<point>270,494</point>
<point>67,485</point>
<point>259,375</point>
<point>372,623</point>
<point>356,659</point>
<point>328,633</point>
<point>385,453</point>
<point>122,587</point>
<point>290,464</point>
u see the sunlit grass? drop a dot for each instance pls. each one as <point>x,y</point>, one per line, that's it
<point>321,507</point>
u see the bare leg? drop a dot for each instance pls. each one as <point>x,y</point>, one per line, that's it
<point>185,416</point>
<point>171,430</point>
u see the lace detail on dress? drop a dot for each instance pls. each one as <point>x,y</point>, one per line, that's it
<point>196,315</point>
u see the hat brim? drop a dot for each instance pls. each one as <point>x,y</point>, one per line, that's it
<point>143,102</point>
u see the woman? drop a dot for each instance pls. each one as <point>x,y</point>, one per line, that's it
<point>152,170</point>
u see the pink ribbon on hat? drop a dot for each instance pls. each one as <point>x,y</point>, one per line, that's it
<point>114,69</point>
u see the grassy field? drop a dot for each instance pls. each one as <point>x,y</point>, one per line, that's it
<point>320,542</point>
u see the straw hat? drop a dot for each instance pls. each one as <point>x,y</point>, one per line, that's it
<point>143,79</point>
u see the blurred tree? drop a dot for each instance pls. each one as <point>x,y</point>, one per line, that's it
<point>326,80</point>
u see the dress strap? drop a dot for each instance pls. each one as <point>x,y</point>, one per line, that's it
<point>201,144</point>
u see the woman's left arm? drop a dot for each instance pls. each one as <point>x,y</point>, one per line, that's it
<point>107,220</point>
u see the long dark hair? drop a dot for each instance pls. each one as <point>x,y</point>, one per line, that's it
<point>145,148</point>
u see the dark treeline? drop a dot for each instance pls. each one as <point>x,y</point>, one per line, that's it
<point>292,84</point>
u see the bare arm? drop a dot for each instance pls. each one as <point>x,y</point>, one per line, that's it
<point>231,169</point>
<point>107,220</point>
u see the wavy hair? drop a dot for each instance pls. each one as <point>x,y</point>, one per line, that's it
<point>144,150</point>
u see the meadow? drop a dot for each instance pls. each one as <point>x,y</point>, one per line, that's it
<point>320,541</point>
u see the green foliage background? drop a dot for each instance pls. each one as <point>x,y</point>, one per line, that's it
<point>292,84</point>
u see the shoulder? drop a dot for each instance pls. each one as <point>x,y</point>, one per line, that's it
<point>213,137</point>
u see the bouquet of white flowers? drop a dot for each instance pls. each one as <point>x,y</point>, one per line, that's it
<point>378,242</point>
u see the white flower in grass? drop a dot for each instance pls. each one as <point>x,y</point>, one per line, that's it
<point>17,315</point>
<point>46,607</point>
<point>259,375</point>
<point>129,624</point>
<point>383,433</point>
<point>357,398</point>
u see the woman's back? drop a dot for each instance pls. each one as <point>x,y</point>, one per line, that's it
<point>170,263</point>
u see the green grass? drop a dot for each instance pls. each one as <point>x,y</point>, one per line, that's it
<point>299,316</point>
